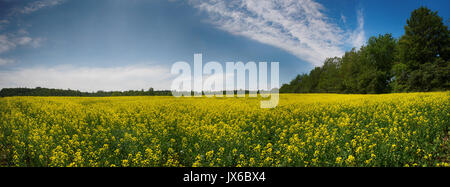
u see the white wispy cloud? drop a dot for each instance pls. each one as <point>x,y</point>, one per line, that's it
<point>343,18</point>
<point>3,23</point>
<point>89,78</point>
<point>358,36</point>
<point>37,5</point>
<point>297,26</point>
<point>4,61</point>
<point>12,39</point>
<point>6,44</point>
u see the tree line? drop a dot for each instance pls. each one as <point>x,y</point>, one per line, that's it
<point>417,61</point>
<point>38,91</point>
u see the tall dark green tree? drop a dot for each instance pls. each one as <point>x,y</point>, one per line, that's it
<point>376,61</point>
<point>424,50</point>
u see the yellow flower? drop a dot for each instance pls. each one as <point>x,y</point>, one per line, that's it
<point>350,159</point>
<point>125,163</point>
<point>338,160</point>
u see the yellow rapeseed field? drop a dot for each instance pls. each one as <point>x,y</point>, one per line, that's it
<point>408,129</point>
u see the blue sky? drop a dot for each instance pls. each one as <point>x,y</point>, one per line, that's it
<point>131,44</point>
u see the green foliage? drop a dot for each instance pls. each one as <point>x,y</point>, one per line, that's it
<point>425,50</point>
<point>365,71</point>
<point>419,61</point>
<point>38,91</point>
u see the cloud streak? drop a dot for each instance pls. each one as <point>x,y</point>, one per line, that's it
<point>297,26</point>
<point>37,5</point>
<point>89,78</point>
<point>4,61</point>
<point>358,36</point>
<point>10,40</point>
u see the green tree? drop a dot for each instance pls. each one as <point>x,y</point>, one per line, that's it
<point>329,79</point>
<point>348,71</point>
<point>376,61</point>
<point>423,58</point>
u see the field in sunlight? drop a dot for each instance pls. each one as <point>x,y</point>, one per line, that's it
<point>409,129</point>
